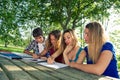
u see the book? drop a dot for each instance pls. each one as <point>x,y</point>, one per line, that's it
<point>23,55</point>
<point>10,55</point>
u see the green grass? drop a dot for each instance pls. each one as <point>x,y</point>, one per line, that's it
<point>12,49</point>
<point>119,66</point>
<point>118,59</point>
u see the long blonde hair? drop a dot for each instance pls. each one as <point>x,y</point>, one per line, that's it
<point>97,38</point>
<point>63,44</point>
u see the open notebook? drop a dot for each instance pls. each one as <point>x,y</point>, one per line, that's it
<point>55,65</point>
<point>23,55</point>
<point>10,55</point>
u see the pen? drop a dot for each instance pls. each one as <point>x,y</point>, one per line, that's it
<point>54,62</point>
<point>43,61</point>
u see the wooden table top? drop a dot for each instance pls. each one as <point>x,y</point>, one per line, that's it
<point>11,69</point>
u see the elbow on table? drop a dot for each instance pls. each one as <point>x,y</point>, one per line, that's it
<point>98,72</point>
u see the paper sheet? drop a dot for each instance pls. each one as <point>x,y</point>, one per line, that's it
<point>55,65</point>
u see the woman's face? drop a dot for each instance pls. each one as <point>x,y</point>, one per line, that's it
<point>53,39</point>
<point>86,35</point>
<point>67,38</point>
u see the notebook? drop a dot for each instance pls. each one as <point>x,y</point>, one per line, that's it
<point>10,55</point>
<point>23,55</point>
<point>55,65</point>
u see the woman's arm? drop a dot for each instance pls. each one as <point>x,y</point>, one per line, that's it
<point>97,68</point>
<point>56,54</point>
<point>65,54</point>
<point>81,57</point>
<point>51,59</point>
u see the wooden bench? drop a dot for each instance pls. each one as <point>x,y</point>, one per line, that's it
<point>21,70</point>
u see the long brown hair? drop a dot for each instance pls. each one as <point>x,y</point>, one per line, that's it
<point>97,38</point>
<point>57,35</point>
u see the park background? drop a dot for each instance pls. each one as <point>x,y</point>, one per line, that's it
<point>19,17</point>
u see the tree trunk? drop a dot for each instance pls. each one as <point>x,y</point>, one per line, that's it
<point>5,44</point>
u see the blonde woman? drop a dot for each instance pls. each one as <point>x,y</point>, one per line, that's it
<point>100,53</point>
<point>69,48</point>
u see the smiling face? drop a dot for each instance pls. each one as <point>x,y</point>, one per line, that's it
<point>53,39</point>
<point>67,38</point>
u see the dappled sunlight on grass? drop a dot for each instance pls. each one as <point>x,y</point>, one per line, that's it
<point>12,48</point>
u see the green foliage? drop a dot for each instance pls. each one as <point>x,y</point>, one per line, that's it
<point>118,59</point>
<point>49,15</point>
<point>114,37</point>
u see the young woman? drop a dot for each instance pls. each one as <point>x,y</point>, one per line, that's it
<point>69,48</point>
<point>52,45</point>
<point>100,53</point>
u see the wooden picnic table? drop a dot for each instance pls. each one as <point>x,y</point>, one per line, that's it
<point>11,69</point>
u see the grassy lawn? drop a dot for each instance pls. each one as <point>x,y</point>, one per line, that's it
<point>118,59</point>
<point>12,49</point>
<point>18,49</point>
<point>119,65</point>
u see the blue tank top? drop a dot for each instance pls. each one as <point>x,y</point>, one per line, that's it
<point>112,67</point>
<point>77,55</point>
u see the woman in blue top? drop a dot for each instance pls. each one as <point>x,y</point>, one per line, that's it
<point>100,54</point>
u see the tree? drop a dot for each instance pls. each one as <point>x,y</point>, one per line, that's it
<point>49,14</point>
<point>7,22</point>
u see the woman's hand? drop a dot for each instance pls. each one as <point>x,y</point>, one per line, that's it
<point>72,64</point>
<point>50,60</point>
